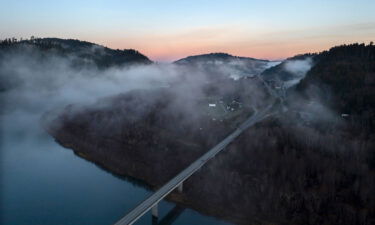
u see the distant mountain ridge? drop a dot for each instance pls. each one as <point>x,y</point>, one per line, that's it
<point>215,56</point>
<point>226,64</point>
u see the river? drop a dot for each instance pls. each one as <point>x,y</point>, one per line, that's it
<point>43,183</point>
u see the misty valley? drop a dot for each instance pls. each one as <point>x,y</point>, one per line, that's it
<point>309,160</point>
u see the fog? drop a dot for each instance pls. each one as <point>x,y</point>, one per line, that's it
<point>231,66</point>
<point>298,68</point>
<point>35,84</point>
<point>37,87</point>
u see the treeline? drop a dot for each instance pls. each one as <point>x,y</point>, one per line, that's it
<point>41,42</point>
<point>13,40</point>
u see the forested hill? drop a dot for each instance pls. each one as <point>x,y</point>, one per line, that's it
<point>85,53</point>
<point>346,75</point>
<point>226,64</point>
<point>214,56</point>
<point>349,71</point>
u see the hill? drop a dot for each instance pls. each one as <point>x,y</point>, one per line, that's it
<point>84,53</point>
<point>349,73</point>
<point>215,56</point>
<point>226,64</point>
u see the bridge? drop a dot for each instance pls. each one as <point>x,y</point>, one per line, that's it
<point>177,181</point>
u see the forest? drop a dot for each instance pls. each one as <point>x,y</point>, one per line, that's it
<point>86,53</point>
<point>308,165</point>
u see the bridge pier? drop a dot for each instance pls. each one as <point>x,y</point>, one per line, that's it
<point>155,211</point>
<point>154,220</point>
<point>180,187</point>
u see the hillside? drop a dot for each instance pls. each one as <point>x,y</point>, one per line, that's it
<point>84,53</point>
<point>349,74</point>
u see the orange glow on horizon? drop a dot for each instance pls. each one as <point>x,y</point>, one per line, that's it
<point>270,52</point>
<point>159,46</point>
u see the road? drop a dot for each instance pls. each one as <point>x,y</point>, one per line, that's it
<point>155,198</point>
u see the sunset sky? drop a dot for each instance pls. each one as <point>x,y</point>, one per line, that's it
<point>168,30</point>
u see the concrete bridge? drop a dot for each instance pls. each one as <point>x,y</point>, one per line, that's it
<point>177,181</point>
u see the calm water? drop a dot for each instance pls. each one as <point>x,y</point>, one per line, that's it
<point>44,183</point>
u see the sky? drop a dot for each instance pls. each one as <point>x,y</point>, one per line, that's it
<point>166,30</point>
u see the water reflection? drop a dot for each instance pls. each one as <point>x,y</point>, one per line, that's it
<point>43,183</point>
<point>170,217</point>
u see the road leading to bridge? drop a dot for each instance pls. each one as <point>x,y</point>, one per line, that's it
<point>155,198</point>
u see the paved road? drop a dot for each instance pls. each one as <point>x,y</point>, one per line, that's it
<point>155,198</point>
